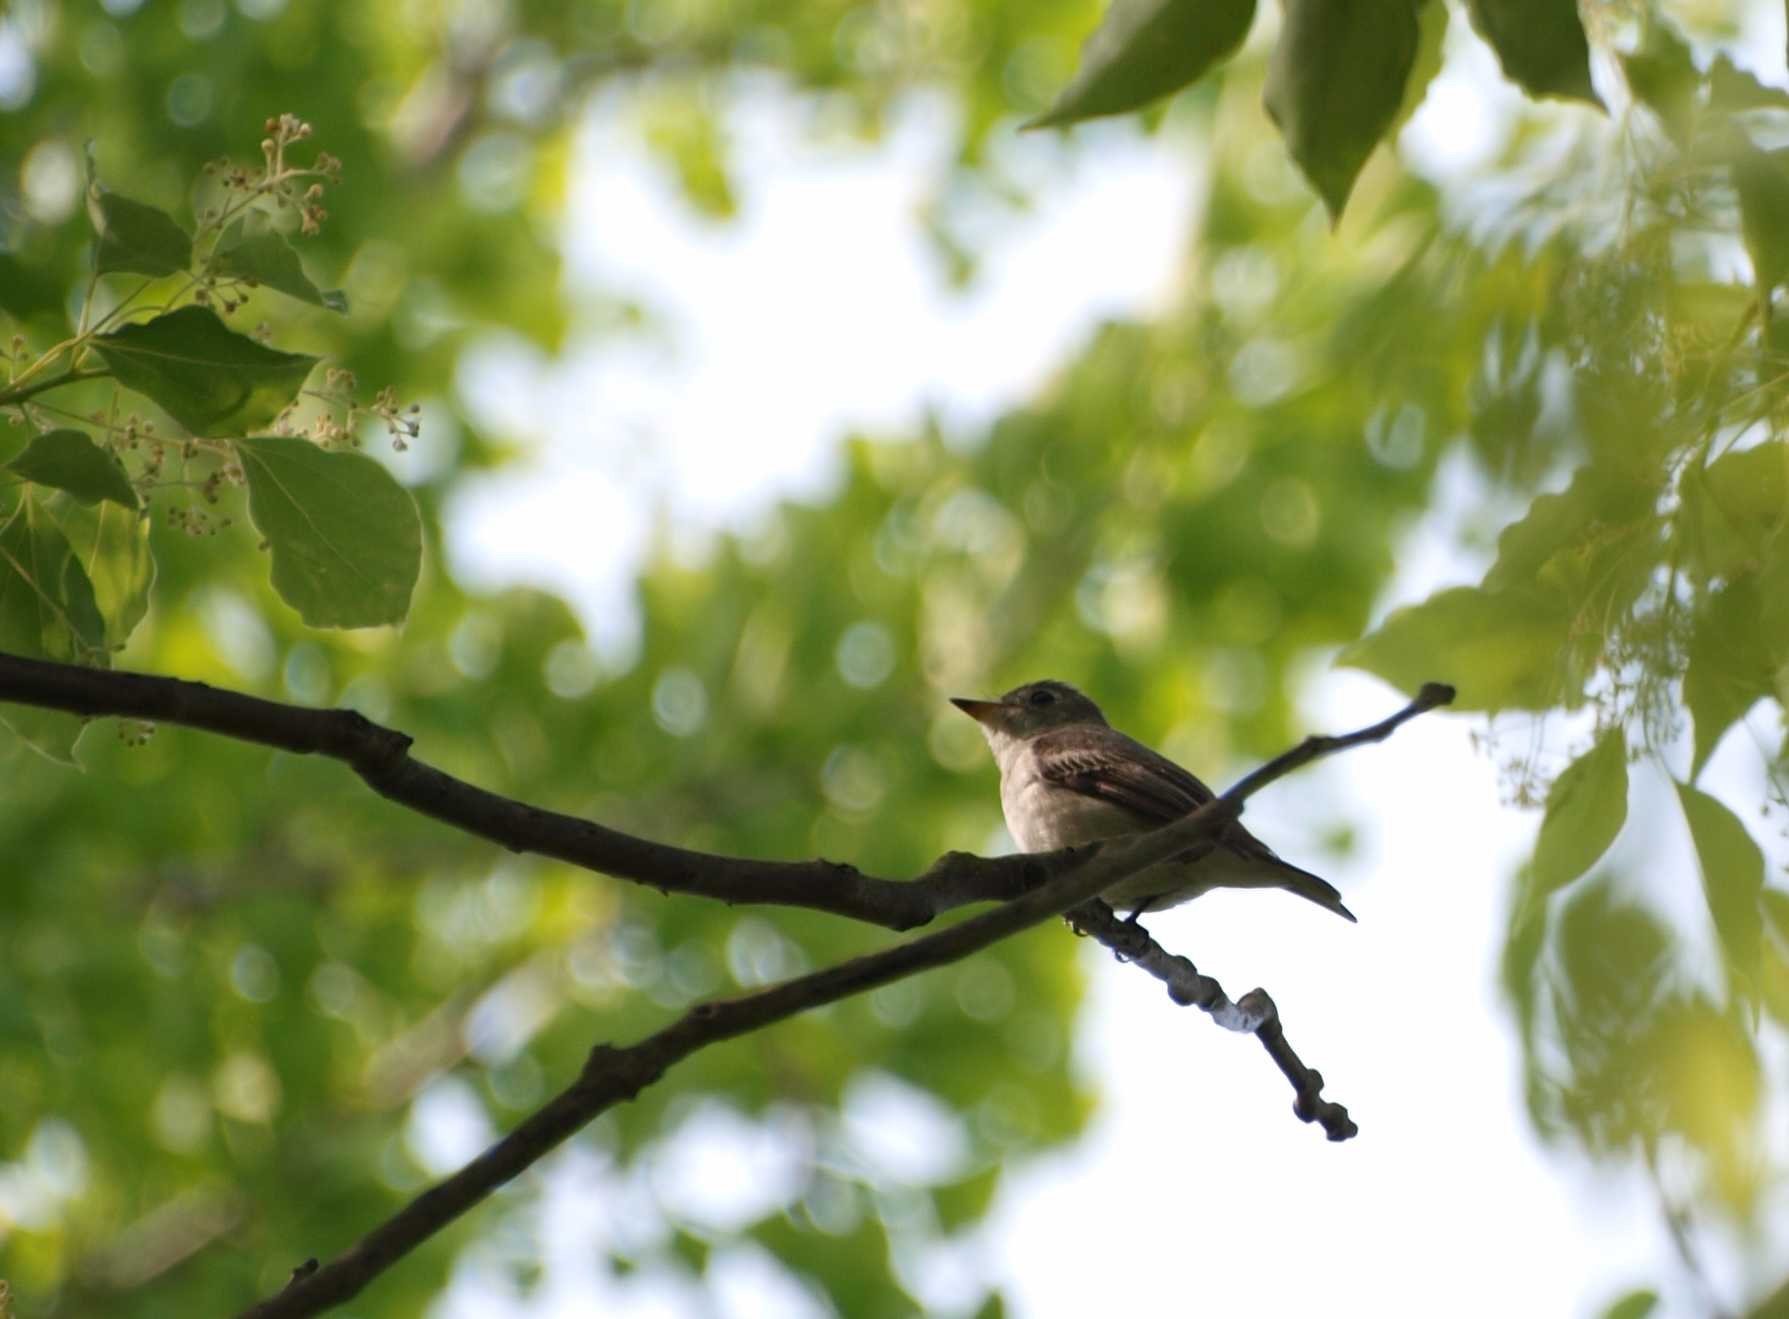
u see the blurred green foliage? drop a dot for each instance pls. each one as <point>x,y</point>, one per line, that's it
<point>230,980</point>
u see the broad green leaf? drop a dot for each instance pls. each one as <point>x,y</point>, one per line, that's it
<point>1731,666</point>
<point>1501,650</point>
<point>210,379</point>
<point>46,602</point>
<point>1635,1305</point>
<point>1540,44</point>
<point>1523,944</point>
<point>32,292</point>
<point>1662,76</point>
<point>1528,550</point>
<point>1732,88</point>
<point>1613,953</point>
<point>1732,512</point>
<point>1585,811</point>
<point>47,611</point>
<point>1335,82</point>
<point>113,544</point>
<point>1761,178</point>
<point>1144,50</point>
<point>1431,41</point>
<point>1776,908</point>
<point>690,1250</point>
<point>50,733</point>
<point>1609,969</point>
<point>345,536</point>
<point>68,459</point>
<point>250,250</point>
<point>1710,307</point>
<point>135,237</point>
<point>685,132</point>
<point>1732,877</point>
<point>963,1202</point>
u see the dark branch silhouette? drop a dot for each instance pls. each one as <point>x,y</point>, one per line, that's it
<point>1038,886</point>
<point>612,1075</point>
<point>382,757</point>
<point>1254,1012</point>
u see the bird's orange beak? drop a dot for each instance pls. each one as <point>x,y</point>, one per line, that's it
<point>981,711</point>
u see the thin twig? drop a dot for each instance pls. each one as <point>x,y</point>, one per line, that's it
<point>17,394</point>
<point>1254,1013</point>
<point>1317,746</point>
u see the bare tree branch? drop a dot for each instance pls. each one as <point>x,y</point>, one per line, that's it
<point>1317,746</point>
<point>1254,1012</point>
<point>1038,887</point>
<point>382,757</point>
<point>612,1075</point>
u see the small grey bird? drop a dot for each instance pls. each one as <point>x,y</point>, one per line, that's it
<point>1068,777</point>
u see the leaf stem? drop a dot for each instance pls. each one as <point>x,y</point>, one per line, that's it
<point>19,393</point>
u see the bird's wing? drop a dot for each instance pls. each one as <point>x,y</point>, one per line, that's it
<point>1112,767</point>
<point>1108,766</point>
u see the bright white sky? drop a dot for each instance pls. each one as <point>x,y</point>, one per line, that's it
<point>1196,1190</point>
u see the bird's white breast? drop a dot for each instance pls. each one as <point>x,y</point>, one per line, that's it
<point>1043,816</point>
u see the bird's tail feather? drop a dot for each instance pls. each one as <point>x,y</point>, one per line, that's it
<point>1311,888</point>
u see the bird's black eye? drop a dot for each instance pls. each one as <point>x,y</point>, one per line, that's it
<point>1042,697</point>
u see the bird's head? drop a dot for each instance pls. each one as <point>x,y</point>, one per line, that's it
<point>1034,708</point>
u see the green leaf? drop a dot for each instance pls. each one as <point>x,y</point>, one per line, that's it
<point>1635,1305</point>
<point>47,608</point>
<point>1523,944</point>
<point>1776,910</point>
<point>1529,552</point>
<point>210,379</point>
<point>135,237</point>
<point>113,545</point>
<point>50,733</point>
<point>1732,878</point>
<point>250,250</point>
<point>966,1201</point>
<point>68,459</point>
<point>685,133</point>
<point>33,291</point>
<point>1144,50</point>
<point>691,1249</point>
<point>1730,667</point>
<point>1540,44</point>
<point>345,536</point>
<point>1733,510</point>
<point>1590,549</point>
<point>47,611</point>
<point>1585,811</point>
<point>1501,650</point>
<point>994,1307</point>
<point>1431,42</point>
<point>1335,82</point>
<point>1732,88</point>
<point>1662,76</point>
<point>1761,178</point>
